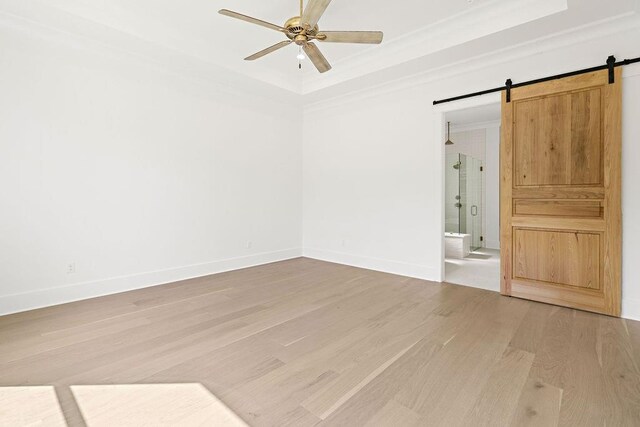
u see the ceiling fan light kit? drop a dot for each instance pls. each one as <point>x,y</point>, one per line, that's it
<point>303,30</point>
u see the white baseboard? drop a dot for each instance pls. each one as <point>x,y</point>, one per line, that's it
<point>631,309</point>
<point>394,267</point>
<point>60,295</point>
<point>80,291</point>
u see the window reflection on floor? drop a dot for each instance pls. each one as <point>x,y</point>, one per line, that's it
<point>30,406</point>
<point>152,404</point>
<point>118,405</point>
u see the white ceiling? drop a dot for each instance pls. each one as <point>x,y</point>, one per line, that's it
<point>195,27</point>
<point>414,29</point>
<point>474,116</point>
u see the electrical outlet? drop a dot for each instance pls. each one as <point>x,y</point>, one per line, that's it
<point>344,243</point>
<point>249,244</point>
<point>71,268</point>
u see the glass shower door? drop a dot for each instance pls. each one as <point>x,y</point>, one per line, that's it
<point>473,172</point>
<point>452,193</point>
<point>463,195</point>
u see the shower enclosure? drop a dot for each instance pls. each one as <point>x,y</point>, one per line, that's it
<point>463,198</point>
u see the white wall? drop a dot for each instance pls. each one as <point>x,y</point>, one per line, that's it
<point>373,161</point>
<point>372,185</point>
<point>492,182</point>
<point>630,199</point>
<point>135,175</point>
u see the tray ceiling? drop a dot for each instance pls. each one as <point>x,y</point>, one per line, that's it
<point>413,29</point>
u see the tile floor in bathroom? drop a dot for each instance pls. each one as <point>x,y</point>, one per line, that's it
<point>480,269</point>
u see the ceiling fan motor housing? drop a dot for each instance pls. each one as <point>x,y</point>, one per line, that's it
<point>296,31</point>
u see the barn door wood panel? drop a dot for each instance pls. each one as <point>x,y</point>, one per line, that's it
<point>560,192</point>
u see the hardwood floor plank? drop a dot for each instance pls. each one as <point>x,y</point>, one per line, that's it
<point>394,413</point>
<point>499,397</point>
<point>363,407</point>
<point>336,393</point>
<point>530,334</point>
<point>633,329</point>
<point>538,405</point>
<point>620,372</point>
<point>584,396</point>
<point>306,343</point>
<point>461,369</point>
<point>553,353</point>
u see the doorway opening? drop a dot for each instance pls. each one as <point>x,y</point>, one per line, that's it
<point>472,197</point>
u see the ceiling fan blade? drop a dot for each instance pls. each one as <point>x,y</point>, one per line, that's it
<point>317,57</point>
<point>252,20</point>
<point>367,37</point>
<point>313,12</point>
<point>268,50</point>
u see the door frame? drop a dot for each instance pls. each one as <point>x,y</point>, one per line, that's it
<point>440,135</point>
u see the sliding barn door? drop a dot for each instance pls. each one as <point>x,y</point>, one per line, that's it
<point>560,192</point>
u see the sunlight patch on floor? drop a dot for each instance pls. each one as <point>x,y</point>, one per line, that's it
<point>152,405</point>
<point>30,406</point>
<point>118,405</point>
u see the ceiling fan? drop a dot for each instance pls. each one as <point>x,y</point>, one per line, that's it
<point>303,30</point>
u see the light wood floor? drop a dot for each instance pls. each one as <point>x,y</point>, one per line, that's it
<point>304,343</point>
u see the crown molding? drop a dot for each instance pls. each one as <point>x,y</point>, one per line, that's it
<point>488,17</point>
<point>552,42</point>
<point>55,25</point>
<point>480,21</point>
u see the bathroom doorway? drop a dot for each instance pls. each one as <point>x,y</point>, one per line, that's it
<point>472,197</point>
